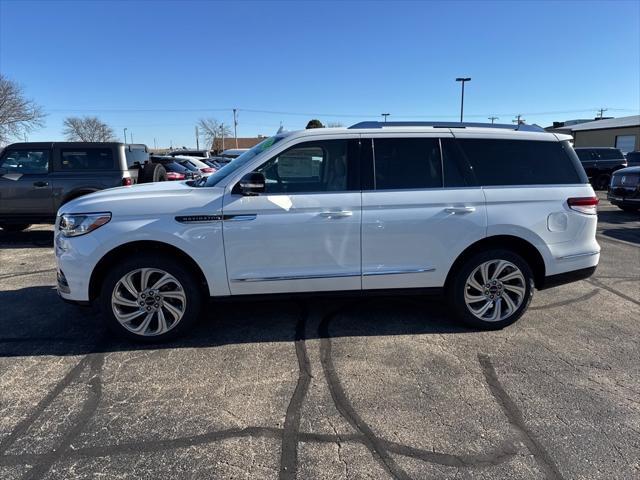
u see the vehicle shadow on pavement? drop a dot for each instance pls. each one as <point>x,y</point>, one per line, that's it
<point>36,322</point>
<point>617,216</point>
<point>631,235</point>
<point>26,239</point>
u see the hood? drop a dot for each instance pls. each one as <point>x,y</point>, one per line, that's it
<point>624,171</point>
<point>144,199</point>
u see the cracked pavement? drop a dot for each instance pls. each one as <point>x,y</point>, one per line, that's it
<point>325,388</point>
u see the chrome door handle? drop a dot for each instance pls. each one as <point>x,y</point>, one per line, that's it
<point>460,209</point>
<point>336,214</point>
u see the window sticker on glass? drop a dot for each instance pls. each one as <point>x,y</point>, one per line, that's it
<point>267,143</point>
<point>292,166</point>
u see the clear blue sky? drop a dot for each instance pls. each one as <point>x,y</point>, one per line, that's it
<point>155,67</point>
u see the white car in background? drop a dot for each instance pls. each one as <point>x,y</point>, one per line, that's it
<point>233,152</point>
<point>482,214</point>
<point>204,169</point>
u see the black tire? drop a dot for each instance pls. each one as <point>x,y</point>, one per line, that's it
<point>602,182</point>
<point>629,209</point>
<point>457,286</point>
<point>152,172</point>
<point>190,288</point>
<point>14,227</point>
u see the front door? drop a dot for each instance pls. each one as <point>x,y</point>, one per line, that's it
<point>25,189</point>
<point>302,233</point>
<point>420,213</point>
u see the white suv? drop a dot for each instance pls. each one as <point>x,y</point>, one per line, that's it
<point>482,214</point>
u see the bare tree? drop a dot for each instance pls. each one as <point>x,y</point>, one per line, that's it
<point>87,129</point>
<point>334,124</point>
<point>18,115</point>
<point>213,132</point>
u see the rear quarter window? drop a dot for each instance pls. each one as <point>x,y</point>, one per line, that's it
<point>81,159</point>
<point>522,162</point>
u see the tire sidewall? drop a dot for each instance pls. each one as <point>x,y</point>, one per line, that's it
<point>457,287</point>
<point>189,284</point>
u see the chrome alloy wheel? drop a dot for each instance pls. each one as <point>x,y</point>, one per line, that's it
<point>495,290</point>
<point>148,301</point>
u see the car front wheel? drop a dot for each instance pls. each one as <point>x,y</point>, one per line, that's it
<point>492,289</point>
<point>150,299</point>
<point>14,227</point>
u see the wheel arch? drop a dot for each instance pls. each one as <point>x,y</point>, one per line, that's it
<point>72,195</point>
<point>113,256</point>
<point>507,242</point>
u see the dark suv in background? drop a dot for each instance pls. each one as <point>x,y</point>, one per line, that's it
<point>600,163</point>
<point>37,178</point>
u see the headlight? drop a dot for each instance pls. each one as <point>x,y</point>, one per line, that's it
<point>74,224</point>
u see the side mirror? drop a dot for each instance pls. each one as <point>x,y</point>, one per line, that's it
<point>251,184</point>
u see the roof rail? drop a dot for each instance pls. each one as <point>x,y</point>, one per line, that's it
<point>504,126</point>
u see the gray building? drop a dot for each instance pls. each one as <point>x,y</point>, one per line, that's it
<point>622,133</point>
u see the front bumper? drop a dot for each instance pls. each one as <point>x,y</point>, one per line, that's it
<point>624,196</point>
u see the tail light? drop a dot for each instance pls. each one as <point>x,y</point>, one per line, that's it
<point>584,204</point>
<point>175,176</point>
<point>207,170</point>
<point>127,181</point>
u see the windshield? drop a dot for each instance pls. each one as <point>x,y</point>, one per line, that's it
<point>240,162</point>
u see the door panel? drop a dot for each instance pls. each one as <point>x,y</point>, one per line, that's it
<point>25,187</point>
<point>292,243</point>
<point>411,238</point>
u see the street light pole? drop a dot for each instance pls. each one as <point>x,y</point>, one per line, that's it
<point>462,79</point>
<point>125,136</point>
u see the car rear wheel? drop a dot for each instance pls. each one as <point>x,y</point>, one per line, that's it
<point>491,290</point>
<point>14,227</point>
<point>150,299</point>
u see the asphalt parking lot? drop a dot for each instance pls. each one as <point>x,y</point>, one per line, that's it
<point>325,388</point>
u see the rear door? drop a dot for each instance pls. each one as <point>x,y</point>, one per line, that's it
<point>420,209</point>
<point>25,186</point>
<point>78,170</point>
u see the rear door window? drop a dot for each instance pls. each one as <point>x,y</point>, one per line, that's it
<point>610,154</point>
<point>83,159</point>
<point>520,162</point>
<point>135,156</point>
<point>407,163</point>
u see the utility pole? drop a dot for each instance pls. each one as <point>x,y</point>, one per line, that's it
<point>197,140</point>
<point>601,112</point>
<point>155,145</point>
<point>235,126</point>
<point>462,79</point>
<point>125,136</point>
<point>385,115</point>
<point>519,120</point>
<point>131,135</point>
<point>493,119</point>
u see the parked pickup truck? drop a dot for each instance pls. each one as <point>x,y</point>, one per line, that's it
<point>600,163</point>
<point>37,178</point>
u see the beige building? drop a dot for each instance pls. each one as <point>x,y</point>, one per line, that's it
<point>622,133</point>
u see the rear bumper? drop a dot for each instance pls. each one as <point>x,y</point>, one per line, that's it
<point>567,277</point>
